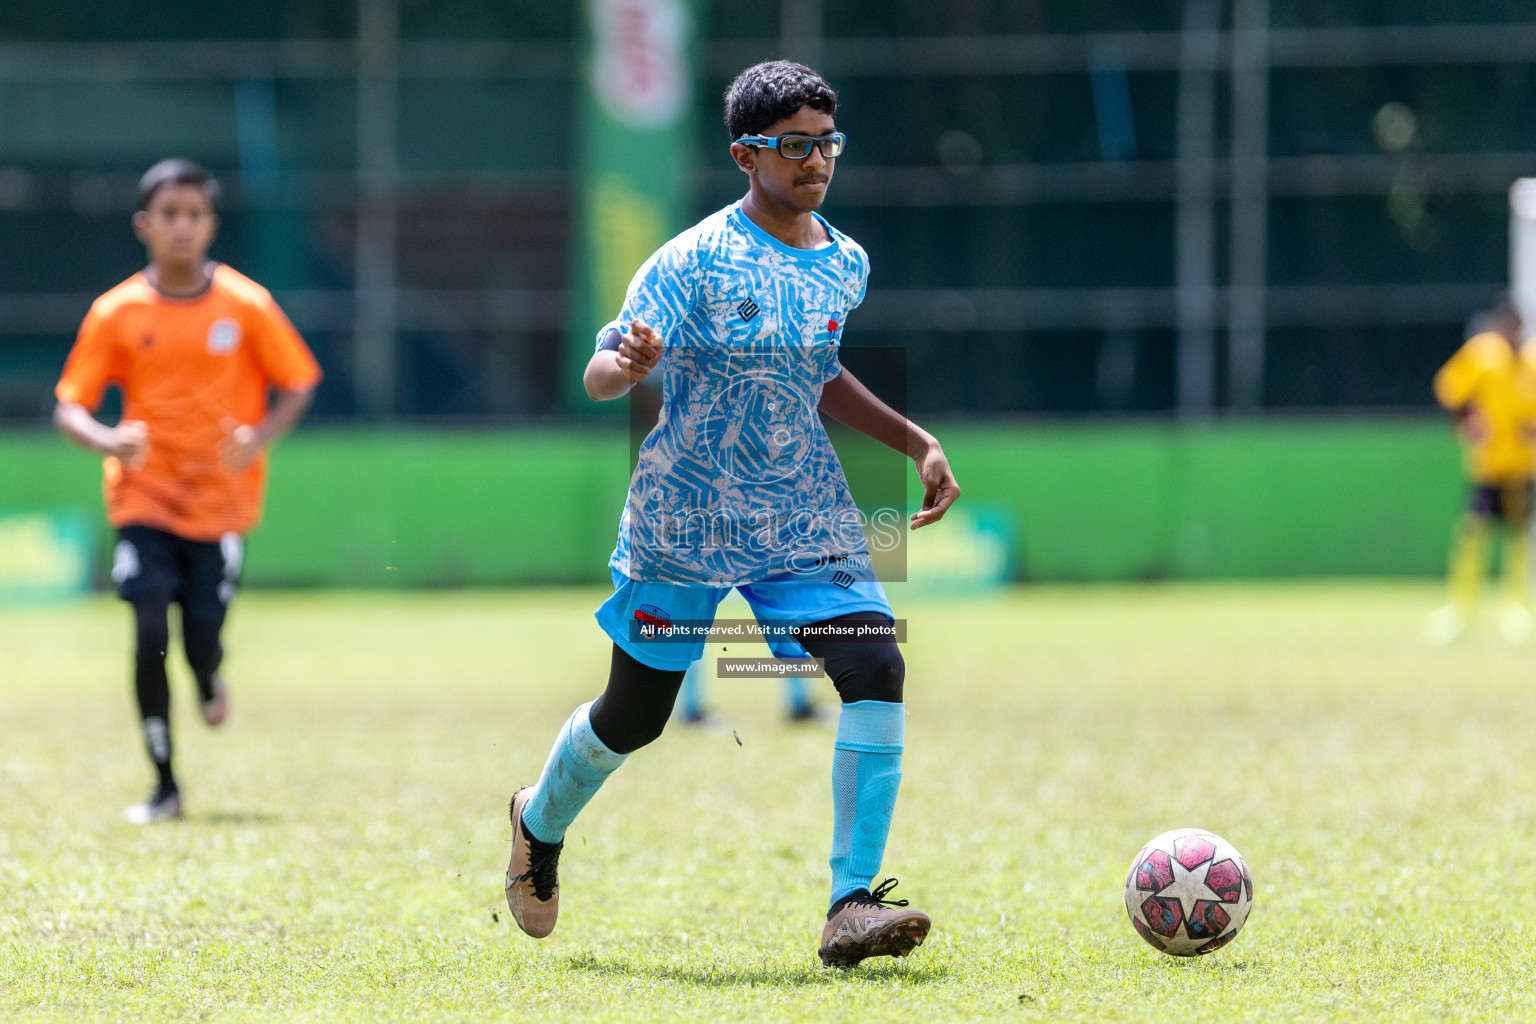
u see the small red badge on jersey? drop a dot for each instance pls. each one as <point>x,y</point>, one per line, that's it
<point>832,326</point>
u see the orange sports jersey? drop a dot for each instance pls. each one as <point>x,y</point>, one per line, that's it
<point>191,369</point>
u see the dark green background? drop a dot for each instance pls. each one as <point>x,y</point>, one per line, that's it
<point>80,144</point>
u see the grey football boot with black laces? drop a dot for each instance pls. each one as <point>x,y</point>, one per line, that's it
<point>533,885</point>
<point>867,924</point>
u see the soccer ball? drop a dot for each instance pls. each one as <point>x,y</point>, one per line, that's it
<point>1188,892</point>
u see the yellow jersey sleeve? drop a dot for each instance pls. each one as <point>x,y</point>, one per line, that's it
<point>1458,379</point>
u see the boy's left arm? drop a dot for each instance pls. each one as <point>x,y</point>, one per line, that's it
<point>292,374</point>
<point>243,442</point>
<point>853,405</point>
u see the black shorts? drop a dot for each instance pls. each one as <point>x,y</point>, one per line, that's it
<point>153,565</point>
<point>1508,502</point>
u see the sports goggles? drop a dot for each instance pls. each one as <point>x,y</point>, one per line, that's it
<point>798,147</point>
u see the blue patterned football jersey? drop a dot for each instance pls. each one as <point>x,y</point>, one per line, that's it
<point>738,480</point>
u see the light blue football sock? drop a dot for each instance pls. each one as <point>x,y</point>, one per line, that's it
<point>691,695</point>
<point>797,694</point>
<point>578,766</point>
<point>866,773</point>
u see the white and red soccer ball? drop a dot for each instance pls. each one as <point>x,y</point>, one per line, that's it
<point>1188,892</point>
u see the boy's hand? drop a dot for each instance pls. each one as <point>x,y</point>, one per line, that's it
<point>240,446</point>
<point>1474,425</point>
<point>128,441</point>
<point>939,487</point>
<point>639,351</point>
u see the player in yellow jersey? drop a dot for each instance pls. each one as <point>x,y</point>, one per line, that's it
<point>1490,386</point>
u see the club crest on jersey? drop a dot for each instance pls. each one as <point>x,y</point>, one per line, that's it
<point>223,336</point>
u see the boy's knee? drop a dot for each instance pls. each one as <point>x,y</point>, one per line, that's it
<point>625,733</point>
<point>200,637</point>
<point>868,672</point>
<point>152,628</point>
<point>634,708</point>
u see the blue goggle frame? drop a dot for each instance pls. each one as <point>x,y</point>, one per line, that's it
<point>792,142</point>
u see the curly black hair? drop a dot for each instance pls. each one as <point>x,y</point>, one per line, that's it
<point>767,93</point>
<point>176,171</point>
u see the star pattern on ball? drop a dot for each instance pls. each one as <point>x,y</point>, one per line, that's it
<point>1188,887</point>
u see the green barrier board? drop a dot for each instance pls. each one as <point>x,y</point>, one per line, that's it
<point>45,554</point>
<point>1103,502</point>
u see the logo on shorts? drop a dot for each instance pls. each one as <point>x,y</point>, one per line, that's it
<point>125,562</point>
<point>232,550</point>
<point>652,620</point>
<point>223,336</point>
<point>842,579</point>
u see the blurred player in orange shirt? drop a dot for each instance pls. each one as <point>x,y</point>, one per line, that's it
<point>1490,385</point>
<point>194,347</point>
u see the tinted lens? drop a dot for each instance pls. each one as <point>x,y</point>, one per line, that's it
<point>794,147</point>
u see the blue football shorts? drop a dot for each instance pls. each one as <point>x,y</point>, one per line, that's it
<point>662,624</point>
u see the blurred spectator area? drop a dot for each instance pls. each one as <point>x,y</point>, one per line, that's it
<point>1114,206</point>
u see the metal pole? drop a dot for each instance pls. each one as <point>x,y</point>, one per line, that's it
<point>800,31</point>
<point>375,350</point>
<point>1195,230</point>
<point>1522,252</point>
<point>1246,300</point>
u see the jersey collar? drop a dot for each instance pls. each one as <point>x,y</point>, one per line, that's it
<point>825,252</point>
<point>213,267</point>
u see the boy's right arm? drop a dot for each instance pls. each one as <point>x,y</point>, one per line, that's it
<point>621,364</point>
<point>93,363</point>
<point>1457,379</point>
<point>128,440</point>
<point>660,296</point>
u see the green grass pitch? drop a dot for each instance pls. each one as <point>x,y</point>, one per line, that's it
<point>346,834</point>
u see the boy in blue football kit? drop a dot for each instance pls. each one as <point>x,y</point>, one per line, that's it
<point>738,486</point>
